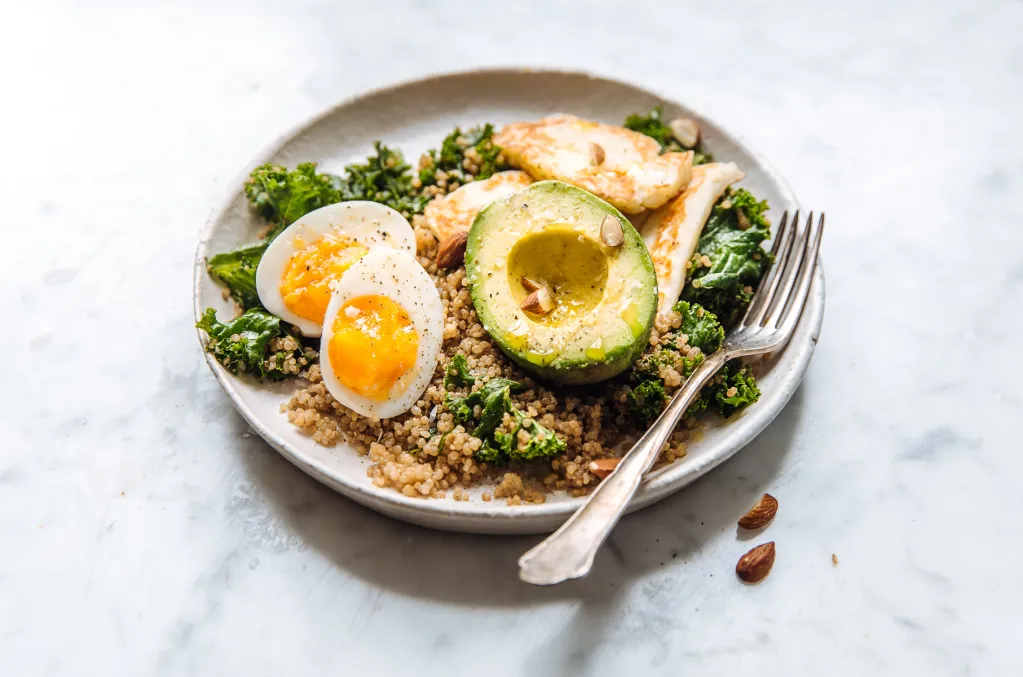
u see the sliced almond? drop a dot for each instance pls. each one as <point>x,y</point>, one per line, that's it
<point>611,232</point>
<point>597,154</point>
<point>529,285</point>
<point>686,131</point>
<point>539,302</point>
<point>602,467</point>
<point>834,559</point>
<point>451,252</point>
<point>754,566</point>
<point>760,514</point>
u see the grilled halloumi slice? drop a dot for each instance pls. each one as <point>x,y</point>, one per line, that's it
<point>455,212</point>
<point>625,168</point>
<point>672,232</point>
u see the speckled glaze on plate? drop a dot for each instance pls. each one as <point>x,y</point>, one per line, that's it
<point>415,116</point>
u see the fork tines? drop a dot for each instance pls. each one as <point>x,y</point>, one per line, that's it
<point>782,292</point>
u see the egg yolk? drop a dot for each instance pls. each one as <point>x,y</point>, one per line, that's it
<point>373,345</point>
<point>306,284</point>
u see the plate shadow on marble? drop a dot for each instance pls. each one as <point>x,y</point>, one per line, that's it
<point>282,508</point>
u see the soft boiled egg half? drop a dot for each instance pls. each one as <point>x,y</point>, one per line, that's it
<point>382,334</point>
<point>304,263</point>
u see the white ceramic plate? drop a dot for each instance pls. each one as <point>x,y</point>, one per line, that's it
<point>415,116</point>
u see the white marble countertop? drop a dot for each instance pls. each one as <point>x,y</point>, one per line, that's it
<point>144,530</point>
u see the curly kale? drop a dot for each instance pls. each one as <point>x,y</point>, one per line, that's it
<point>647,395</point>
<point>243,344</point>
<point>647,399</point>
<point>653,125</point>
<point>384,177</point>
<point>733,388</point>
<point>493,399</point>
<point>731,241</point>
<point>236,270</point>
<point>281,196</point>
<point>474,147</point>
<point>700,326</point>
<point>457,373</point>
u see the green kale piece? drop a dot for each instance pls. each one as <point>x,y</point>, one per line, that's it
<point>384,177</point>
<point>457,373</point>
<point>648,395</point>
<point>475,145</point>
<point>236,270</point>
<point>542,443</point>
<point>647,399</point>
<point>243,344</point>
<point>458,408</point>
<point>494,400</point>
<point>653,125</point>
<point>491,398</point>
<point>700,326</point>
<point>735,375</point>
<point>281,196</point>
<point>492,452</point>
<point>731,240</point>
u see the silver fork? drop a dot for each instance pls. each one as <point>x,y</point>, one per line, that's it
<point>766,327</point>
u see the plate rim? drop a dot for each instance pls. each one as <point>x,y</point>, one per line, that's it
<point>496,518</point>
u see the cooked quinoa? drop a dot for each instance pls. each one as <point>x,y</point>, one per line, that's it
<point>405,451</point>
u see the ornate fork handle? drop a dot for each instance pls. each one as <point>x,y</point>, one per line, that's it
<point>569,552</point>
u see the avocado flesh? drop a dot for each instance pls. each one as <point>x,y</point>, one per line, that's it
<point>604,297</point>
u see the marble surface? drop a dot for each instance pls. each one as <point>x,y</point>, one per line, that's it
<point>144,530</point>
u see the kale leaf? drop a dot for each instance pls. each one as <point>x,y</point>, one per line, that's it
<point>542,442</point>
<point>731,241</point>
<point>494,401</point>
<point>236,270</point>
<point>243,344</point>
<point>653,125</point>
<point>648,395</point>
<point>384,177</point>
<point>647,399</point>
<point>457,374</point>
<point>281,196</point>
<point>700,326</point>
<point>733,388</point>
<point>474,147</point>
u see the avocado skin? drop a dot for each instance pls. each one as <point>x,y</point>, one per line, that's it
<point>563,370</point>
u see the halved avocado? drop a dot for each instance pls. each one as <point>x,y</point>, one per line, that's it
<point>604,296</point>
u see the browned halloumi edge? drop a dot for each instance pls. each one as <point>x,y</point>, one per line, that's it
<point>456,211</point>
<point>632,173</point>
<point>672,231</point>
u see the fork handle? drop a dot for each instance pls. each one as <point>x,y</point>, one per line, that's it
<point>569,551</point>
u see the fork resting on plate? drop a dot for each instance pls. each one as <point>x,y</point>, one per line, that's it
<point>768,324</point>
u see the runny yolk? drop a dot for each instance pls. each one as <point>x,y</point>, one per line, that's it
<point>374,344</point>
<point>306,284</point>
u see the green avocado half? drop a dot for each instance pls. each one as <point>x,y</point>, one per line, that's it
<point>604,297</point>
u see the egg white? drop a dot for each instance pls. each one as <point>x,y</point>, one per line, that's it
<point>371,224</point>
<point>399,277</point>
